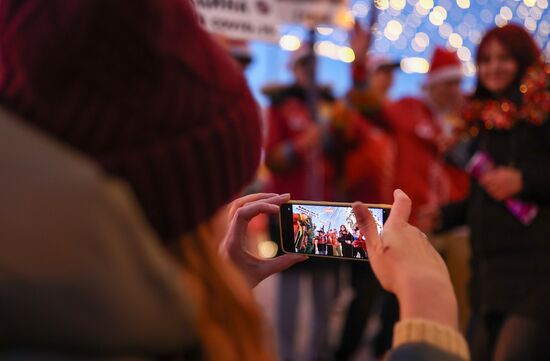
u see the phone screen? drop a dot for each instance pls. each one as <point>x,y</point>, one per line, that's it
<point>326,229</point>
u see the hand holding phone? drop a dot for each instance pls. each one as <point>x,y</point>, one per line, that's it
<point>233,246</point>
<point>406,264</point>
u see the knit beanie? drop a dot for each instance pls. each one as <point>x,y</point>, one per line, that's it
<point>140,87</point>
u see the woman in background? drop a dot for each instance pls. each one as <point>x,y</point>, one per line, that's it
<point>508,116</point>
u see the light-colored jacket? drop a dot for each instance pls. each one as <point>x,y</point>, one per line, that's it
<point>82,275</point>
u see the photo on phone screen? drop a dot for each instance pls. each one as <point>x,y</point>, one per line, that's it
<point>326,229</point>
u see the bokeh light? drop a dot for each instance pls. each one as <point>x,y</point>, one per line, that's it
<point>411,29</point>
<point>289,42</point>
<point>415,65</point>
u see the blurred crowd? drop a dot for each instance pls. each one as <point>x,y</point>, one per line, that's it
<point>465,160</point>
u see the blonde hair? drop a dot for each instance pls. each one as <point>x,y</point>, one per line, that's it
<point>229,322</point>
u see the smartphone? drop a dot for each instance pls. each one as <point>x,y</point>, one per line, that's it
<point>326,229</point>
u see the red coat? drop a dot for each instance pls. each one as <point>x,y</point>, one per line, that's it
<point>370,167</point>
<point>420,168</point>
<point>293,170</point>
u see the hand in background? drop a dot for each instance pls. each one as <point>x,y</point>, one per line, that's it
<point>360,39</point>
<point>502,182</point>
<point>233,246</point>
<point>406,264</point>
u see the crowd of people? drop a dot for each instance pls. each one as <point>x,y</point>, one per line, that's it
<point>310,236</point>
<point>334,243</point>
<point>128,134</point>
<point>463,159</point>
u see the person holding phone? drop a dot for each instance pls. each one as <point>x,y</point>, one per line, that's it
<point>214,268</point>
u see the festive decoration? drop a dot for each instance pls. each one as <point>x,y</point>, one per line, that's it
<point>502,115</point>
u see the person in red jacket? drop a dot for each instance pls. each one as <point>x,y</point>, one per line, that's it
<point>424,130</point>
<point>369,175</point>
<point>296,149</point>
<point>428,132</point>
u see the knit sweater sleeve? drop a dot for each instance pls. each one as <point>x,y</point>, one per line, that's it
<point>432,333</point>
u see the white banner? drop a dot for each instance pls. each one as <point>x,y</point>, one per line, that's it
<point>240,19</point>
<point>259,19</point>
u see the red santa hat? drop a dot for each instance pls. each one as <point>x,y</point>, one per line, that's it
<point>445,65</point>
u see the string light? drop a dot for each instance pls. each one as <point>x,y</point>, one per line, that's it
<point>455,40</point>
<point>530,24</point>
<point>422,39</point>
<point>522,11</point>
<point>500,21</point>
<point>382,4</point>
<point>325,30</point>
<point>506,13</point>
<point>445,30</point>
<point>438,15</point>
<point>468,69</point>
<point>464,54</point>
<point>289,42</point>
<point>346,54</point>
<point>426,4</point>
<point>267,249</point>
<point>421,10</point>
<point>415,65</point>
<point>463,4</point>
<point>393,30</point>
<point>535,13</point>
<point>544,28</point>
<point>398,4</point>
<point>408,27</point>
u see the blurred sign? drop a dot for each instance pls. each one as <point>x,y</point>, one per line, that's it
<point>259,19</point>
<point>240,19</point>
<point>309,11</point>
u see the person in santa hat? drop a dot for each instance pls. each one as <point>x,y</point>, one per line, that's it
<point>428,133</point>
<point>424,130</point>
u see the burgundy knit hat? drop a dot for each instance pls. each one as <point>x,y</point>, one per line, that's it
<point>142,88</point>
